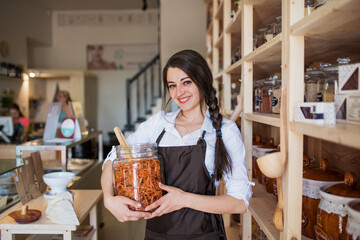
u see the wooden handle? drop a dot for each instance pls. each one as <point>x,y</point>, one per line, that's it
<point>120,137</point>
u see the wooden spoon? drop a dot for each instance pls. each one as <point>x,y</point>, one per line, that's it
<point>120,137</point>
<point>278,214</point>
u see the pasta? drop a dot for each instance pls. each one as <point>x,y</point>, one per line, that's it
<point>138,180</point>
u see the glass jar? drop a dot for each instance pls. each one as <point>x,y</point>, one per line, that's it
<point>266,95</point>
<point>277,26</point>
<point>269,33</point>
<point>276,98</point>
<point>319,3</point>
<point>309,7</point>
<point>314,85</point>
<point>260,38</point>
<point>257,95</point>
<point>137,173</point>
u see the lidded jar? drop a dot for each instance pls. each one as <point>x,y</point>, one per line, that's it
<point>314,85</point>
<point>313,180</point>
<point>309,7</point>
<point>332,213</point>
<point>276,98</point>
<point>260,38</point>
<point>137,172</point>
<point>277,26</point>
<point>257,95</point>
<point>353,223</point>
<point>269,33</point>
<point>266,95</point>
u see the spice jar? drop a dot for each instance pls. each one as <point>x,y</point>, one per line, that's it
<point>353,223</point>
<point>260,37</point>
<point>276,98</point>
<point>314,85</point>
<point>332,213</point>
<point>266,95</point>
<point>309,7</point>
<point>277,26</point>
<point>137,173</point>
<point>313,180</point>
<point>257,95</point>
<point>269,33</point>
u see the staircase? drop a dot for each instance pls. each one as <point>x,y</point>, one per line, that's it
<point>143,95</point>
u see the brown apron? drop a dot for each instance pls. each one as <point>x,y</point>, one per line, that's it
<point>185,169</point>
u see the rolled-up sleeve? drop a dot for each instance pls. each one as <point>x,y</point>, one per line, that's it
<point>237,182</point>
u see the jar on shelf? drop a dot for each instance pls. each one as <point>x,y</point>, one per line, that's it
<point>276,98</point>
<point>257,95</point>
<point>260,38</point>
<point>353,223</point>
<point>277,26</point>
<point>266,95</point>
<point>236,55</point>
<point>309,7</point>
<point>314,85</point>
<point>269,33</point>
<point>137,173</point>
<point>319,3</point>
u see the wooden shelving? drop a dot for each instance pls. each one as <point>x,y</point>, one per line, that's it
<point>235,25</point>
<point>218,76</point>
<point>268,119</point>
<point>219,41</point>
<point>341,133</point>
<point>268,52</point>
<point>236,67</point>
<point>220,10</point>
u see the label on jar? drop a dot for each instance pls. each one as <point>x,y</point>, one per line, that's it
<point>320,97</point>
<point>353,109</point>
<point>310,92</point>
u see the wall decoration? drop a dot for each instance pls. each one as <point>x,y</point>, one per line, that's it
<point>112,57</point>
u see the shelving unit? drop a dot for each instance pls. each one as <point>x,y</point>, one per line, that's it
<point>330,32</point>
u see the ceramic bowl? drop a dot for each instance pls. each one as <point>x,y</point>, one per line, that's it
<point>58,181</point>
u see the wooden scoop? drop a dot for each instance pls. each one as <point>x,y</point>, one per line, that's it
<point>25,215</point>
<point>122,140</point>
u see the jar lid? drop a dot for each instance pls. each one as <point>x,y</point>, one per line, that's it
<point>306,164</point>
<point>323,173</point>
<point>346,189</point>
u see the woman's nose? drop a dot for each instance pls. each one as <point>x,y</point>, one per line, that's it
<point>179,90</point>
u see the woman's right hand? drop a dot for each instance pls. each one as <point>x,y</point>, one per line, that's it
<point>119,207</point>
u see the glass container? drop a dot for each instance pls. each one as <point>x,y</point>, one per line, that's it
<point>277,26</point>
<point>257,95</point>
<point>314,85</point>
<point>269,33</point>
<point>266,95</point>
<point>137,173</point>
<point>276,98</point>
<point>260,38</point>
<point>309,7</point>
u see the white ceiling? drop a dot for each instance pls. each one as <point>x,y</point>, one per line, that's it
<point>97,4</point>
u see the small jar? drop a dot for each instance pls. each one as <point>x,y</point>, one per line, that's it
<point>266,95</point>
<point>257,95</point>
<point>277,26</point>
<point>269,33</point>
<point>330,81</point>
<point>309,7</point>
<point>314,85</point>
<point>260,38</point>
<point>137,173</point>
<point>276,98</point>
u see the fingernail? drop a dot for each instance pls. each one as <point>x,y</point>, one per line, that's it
<point>139,205</point>
<point>160,183</point>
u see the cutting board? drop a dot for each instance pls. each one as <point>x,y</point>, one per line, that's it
<point>31,215</point>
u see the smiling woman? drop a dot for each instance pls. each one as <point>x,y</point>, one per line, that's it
<point>198,148</point>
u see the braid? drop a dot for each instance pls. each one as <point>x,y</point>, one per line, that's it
<point>222,158</point>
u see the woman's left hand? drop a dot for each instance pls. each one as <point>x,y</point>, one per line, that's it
<point>172,201</point>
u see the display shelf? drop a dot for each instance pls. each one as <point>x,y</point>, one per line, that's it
<point>234,68</point>
<point>219,10</point>
<point>268,52</point>
<point>341,133</point>
<point>265,118</point>
<point>265,11</point>
<point>8,165</point>
<point>262,206</point>
<point>235,25</point>
<point>218,76</point>
<point>209,53</point>
<point>339,38</point>
<point>219,41</point>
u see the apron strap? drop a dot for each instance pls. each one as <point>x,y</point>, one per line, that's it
<point>158,140</point>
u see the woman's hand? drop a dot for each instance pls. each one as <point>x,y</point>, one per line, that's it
<point>172,201</point>
<point>119,207</point>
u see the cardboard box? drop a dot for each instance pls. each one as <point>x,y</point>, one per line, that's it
<point>315,112</point>
<point>349,79</point>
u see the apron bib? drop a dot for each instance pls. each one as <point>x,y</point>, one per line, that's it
<point>185,169</point>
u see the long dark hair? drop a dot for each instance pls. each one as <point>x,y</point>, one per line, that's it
<point>17,108</point>
<point>195,66</point>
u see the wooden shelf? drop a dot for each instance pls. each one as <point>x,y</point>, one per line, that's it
<point>218,76</point>
<point>265,12</point>
<point>235,68</point>
<point>210,28</point>
<point>265,118</point>
<point>219,41</point>
<point>2,77</point>
<point>235,25</point>
<point>262,207</point>
<point>341,133</point>
<point>328,34</point>
<point>268,52</point>
<point>219,10</point>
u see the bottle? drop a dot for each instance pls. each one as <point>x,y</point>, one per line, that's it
<point>314,85</point>
<point>137,172</point>
<point>276,98</point>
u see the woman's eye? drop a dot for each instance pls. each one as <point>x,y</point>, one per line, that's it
<point>187,82</point>
<point>171,85</point>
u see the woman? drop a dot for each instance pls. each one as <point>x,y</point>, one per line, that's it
<point>21,124</point>
<point>64,97</point>
<point>201,146</point>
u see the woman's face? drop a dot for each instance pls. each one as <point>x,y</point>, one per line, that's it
<point>96,52</point>
<point>182,89</point>
<point>14,114</point>
<point>60,97</point>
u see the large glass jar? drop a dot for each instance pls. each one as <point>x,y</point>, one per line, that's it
<point>314,85</point>
<point>137,173</point>
<point>269,33</point>
<point>260,38</point>
<point>266,95</point>
<point>330,81</point>
<point>257,95</point>
<point>309,7</point>
<point>277,26</point>
<point>276,99</point>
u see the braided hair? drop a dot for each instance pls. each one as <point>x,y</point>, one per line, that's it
<point>197,69</point>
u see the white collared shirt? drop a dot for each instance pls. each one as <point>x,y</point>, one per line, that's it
<point>237,182</point>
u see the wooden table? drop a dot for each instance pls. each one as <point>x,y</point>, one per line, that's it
<point>84,203</point>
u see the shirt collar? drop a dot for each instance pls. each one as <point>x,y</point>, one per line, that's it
<point>171,117</point>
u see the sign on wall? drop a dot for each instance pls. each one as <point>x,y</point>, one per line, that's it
<point>112,57</point>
